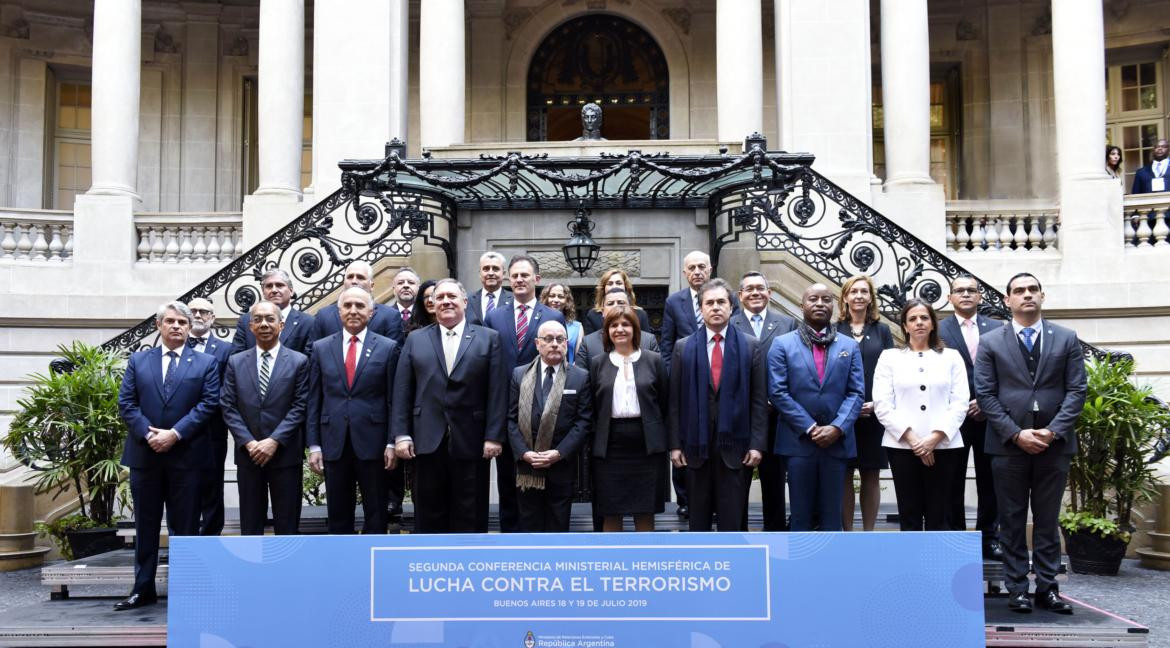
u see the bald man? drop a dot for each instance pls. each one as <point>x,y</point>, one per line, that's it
<point>385,321</point>
<point>816,383</point>
<point>211,486</point>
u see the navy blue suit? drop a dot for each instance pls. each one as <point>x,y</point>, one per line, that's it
<point>278,415</point>
<point>475,305</point>
<point>386,321</point>
<point>816,475</point>
<point>1143,180</point>
<point>173,477</point>
<point>351,424</point>
<point>503,321</point>
<point>297,333</point>
<point>974,432</point>
<point>678,321</point>
<point>211,506</point>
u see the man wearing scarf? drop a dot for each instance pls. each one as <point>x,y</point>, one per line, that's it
<point>719,424</point>
<point>816,382</point>
<point>548,419</point>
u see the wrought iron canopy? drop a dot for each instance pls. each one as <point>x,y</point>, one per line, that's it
<point>634,180</point>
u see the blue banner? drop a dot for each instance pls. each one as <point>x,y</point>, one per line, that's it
<point>581,590</point>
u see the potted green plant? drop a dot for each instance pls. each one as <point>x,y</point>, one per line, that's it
<point>67,429</point>
<point>1110,473</point>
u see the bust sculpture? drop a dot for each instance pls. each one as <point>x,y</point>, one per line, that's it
<point>590,123</point>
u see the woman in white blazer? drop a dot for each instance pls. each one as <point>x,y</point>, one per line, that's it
<point>920,396</point>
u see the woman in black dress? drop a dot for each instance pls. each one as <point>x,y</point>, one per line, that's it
<point>859,319</point>
<point>612,278</point>
<point>629,430</point>
<point>423,312</point>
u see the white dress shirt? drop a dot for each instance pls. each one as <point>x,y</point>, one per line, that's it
<point>528,308</point>
<point>167,361</point>
<point>711,341</point>
<point>921,391</point>
<point>272,360</point>
<point>483,301</point>
<point>625,388</point>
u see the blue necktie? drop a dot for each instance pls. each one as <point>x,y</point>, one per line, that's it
<point>169,380</point>
<point>1028,332</point>
<point>757,324</point>
<point>698,312</point>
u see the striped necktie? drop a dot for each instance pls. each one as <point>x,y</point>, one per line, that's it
<point>521,325</point>
<point>698,312</point>
<point>265,369</point>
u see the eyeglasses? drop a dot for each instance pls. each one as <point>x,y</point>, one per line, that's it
<point>200,311</point>
<point>965,291</point>
<point>754,289</point>
<point>553,339</point>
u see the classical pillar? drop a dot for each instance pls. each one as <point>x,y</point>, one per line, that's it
<point>739,69</point>
<point>442,72</point>
<point>117,65</point>
<point>1078,61</point>
<point>281,96</point>
<point>906,92</point>
<point>399,79</point>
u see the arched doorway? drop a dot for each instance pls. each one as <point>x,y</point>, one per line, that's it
<point>604,59</point>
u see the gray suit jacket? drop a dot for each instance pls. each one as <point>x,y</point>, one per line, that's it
<point>279,415</point>
<point>1012,400</point>
<point>775,324</point>
<point>593,346</point>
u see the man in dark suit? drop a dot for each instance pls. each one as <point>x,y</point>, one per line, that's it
<point>1152,177</point>
<point>406,282</point>
<point>168,394</point>
<point>517,327</point>
<point>1031,385</point>
<point>592,344</point>
<point>719,421</point>
<point>276,286</point>
<point>766,324</point>
<point>450,414</point>
<point>492,295</point>
<point>549,418</point>
<point>962,333</point>
<point>201,339</point>
<point>264,399</point>
<point>386,320</point>
<point>816,382</point>
<point>680,318</point>
<point>351,374</point>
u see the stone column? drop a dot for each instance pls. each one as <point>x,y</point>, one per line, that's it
<point>906,92</point>
<point>1078,61</point>
<point>442,72</point>
<point>739,69</point>
<point>1090,202</point>
<point>117,65</point>
<point>399,80</point>
<point>281,96</point>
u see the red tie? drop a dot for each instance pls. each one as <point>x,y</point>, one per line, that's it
<point>521,326</point>
<point>351,361</point>
<point>405,315</point>
<point>716,361</point>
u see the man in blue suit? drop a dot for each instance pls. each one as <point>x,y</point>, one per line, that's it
<point>386,320</point>
<point>816,382</point>
<point>492,295</point>
<point>201,339</point>
<point>264,397</point>
<point>1152,177</point>
<point>517,327</point>
<point>276,286</point>
<point>351,375</point>
<point>168,394</point>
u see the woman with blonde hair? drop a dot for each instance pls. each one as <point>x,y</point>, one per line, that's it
<point>858,318</point>
<point>612,278</point>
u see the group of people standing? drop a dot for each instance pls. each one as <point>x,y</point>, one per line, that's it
<point>451,381</point>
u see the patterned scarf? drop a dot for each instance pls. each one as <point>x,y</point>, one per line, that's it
<point>809,336</point>
<point>526,476</point>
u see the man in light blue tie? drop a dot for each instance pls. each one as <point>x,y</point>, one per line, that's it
<point>1152,177</point>
<point>1030,384</point>
<point>766,324</point>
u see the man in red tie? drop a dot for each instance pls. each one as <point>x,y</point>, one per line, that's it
<point>816,383</point>
<point>351,376</point>
<point>718,426</point>
<point>406,283</point>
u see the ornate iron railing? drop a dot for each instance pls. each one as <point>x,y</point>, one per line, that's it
<point>315,248</point>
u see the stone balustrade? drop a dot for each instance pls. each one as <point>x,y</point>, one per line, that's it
<point>1146,220</point>
<point>979,226</point>
<point>40,235</point>
<point>188,237</point>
